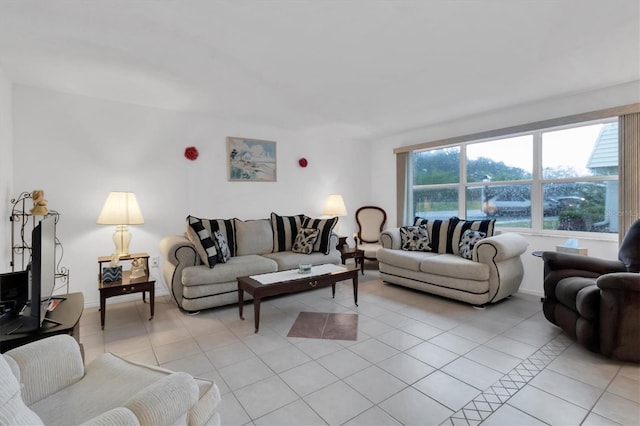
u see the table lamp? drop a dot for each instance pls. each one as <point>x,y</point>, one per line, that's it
<point>121,209</point>
<point>334,206</point>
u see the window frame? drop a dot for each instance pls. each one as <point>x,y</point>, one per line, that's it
<point>536,182</point>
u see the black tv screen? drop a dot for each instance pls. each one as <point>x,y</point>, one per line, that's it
<point>42,274</point>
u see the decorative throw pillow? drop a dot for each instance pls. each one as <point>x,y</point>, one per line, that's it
<point>440,234</point>
<point>468,241</point>
<point>414,238</point>
<point>224,253</point>
<point>487,226</point>
<point>285,230</point>
<point>305,240</point>
<point>324,227</point>
<point>200,237</point>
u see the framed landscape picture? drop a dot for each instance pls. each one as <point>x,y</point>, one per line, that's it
<point>251,160</point>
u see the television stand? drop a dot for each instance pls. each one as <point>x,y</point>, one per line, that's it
<point>67,314</point>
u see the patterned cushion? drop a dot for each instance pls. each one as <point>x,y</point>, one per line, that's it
<point>285,230</point>
<point>485,226</point>
<point>414,238</point>
<point>305,240</point>
<point>440,233</point>
<point>224,253</point>
<point>324,226</point>
<point>468,241</point>
<point>200,237</point>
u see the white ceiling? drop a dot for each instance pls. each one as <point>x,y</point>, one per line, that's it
<point>371,68</point>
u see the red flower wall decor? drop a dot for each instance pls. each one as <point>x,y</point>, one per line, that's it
<point>191,153</point>
<point>303,162</point>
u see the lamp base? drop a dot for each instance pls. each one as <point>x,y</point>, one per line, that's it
<point>122,238</point>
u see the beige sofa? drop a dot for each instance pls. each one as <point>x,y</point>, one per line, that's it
<point>257,246</point>
<point>494,272</point>
<point>45,382</point>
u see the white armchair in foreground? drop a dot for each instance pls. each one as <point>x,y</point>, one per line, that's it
<point>45,382</point>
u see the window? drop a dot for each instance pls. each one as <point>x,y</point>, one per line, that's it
<point>563,179</point>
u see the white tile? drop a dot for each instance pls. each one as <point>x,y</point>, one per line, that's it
<point>194,364</point>
<point>447,390</point>
<point>177,350</point>
<point>343,363</point>
<point>406,368</point>
<point>507,415</point>
<point>412,407</point>
<point>294,414</point>
<point>337,403</point>
<point>231,412</point>
<point>473,333</point>
<point>472,373</point>
<point>511,347</point>
<point>493,359</point>
<point>373,350</point>
<point>594,419</point>
<point>422,330</point>
<point>431,354</point>
<point>265,341</point>
<point>285,358</point>
<point>307,378</point>
<point>567,388</point>
<point>245,373</point>
<point>265,396</point>
<point>578,363</point>
<point>546,407</point>
<point>454,343</point>
<point>625,387</point>
<point>229,354</point>
<point>373,416</point>
<point>375,384</point>
<point>317,348</point>
<point>618,409</point>
<point>215,340</point>
<point>399,339</point>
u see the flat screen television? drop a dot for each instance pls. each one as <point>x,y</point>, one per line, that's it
<point>42,274</point>
<point>14,293</point>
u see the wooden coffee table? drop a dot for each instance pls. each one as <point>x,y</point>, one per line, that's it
<point>259,290</point>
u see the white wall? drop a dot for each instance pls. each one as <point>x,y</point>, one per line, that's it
<point>6,170</point>
<point>77,149</point>
<point>383,170</point>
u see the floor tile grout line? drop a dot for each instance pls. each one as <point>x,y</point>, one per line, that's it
<point>550,347</point>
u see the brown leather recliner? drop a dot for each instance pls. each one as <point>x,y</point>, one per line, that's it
<point>597,301</point>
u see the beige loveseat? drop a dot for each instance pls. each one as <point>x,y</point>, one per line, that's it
<point>257,246</point>
<point>494,271</point>
<point>45,382</point>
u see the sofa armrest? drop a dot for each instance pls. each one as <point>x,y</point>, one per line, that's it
<point>390,238</point>
<point>165,401</point>
<point>502,254</point>
<point>177,249</point>
<point>625,281</point>
<point>47,365</point>
<point>591,266</point>
<point>116,416</point>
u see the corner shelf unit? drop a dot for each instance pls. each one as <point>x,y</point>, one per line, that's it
<point>22,223</point>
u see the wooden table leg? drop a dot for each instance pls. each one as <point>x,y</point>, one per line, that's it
<point>256,311</point>
<point>103,308</point>
<point>240,301</point>
<point>355,289</point>
<point>333,290</point>
<point>152,299</point>
<point>362,265</point>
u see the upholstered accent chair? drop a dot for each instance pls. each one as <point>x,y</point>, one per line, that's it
<point>45,382</point>
<point>371,221</point>
<point>597,301</point>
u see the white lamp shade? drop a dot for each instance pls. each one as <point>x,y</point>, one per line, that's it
<point>121,208</point>
<point>334,206</point>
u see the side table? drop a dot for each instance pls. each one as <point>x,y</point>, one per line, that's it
<point>126,285</point>
<point>353,253</point>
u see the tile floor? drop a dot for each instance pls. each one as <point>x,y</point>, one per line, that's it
<point>417,360</point>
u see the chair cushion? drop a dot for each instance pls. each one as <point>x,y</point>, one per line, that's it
<point>579,294</point>
<point>13,411</point>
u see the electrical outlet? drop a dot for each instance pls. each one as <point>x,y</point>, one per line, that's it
<point>155,261</point>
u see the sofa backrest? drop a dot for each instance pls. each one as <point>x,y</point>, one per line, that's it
<point>445,235</point>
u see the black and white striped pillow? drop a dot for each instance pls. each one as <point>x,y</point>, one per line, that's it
<point>200,237</point>
<point>486,227</point>
<point>285,230</point>
<point>324,227</point>
<point>440,234</point>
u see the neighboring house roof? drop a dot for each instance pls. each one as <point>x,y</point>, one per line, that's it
<point>605,150</point>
